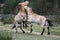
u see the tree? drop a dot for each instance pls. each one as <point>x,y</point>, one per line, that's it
<point>56,5</point>
<point>10,5</point>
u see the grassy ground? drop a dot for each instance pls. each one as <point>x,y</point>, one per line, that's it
<point>5,35</point>
<point>29,36</point>
<point>20,36</point>
<point>55,30</point>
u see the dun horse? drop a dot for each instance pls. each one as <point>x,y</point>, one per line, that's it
<point>41,20</point>
<point>20,17</point>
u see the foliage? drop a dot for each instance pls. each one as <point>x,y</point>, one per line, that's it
<point>45,6</point>
<point>2,1</point>
<point>7,19</point>
<point>5,35</point>
<point>10,5</point>
<point>40,6</point>
<point>55,19</point>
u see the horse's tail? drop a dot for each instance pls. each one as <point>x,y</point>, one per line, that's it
<point>49,22</point>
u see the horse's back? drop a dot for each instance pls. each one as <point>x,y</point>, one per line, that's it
<point>42,19</point>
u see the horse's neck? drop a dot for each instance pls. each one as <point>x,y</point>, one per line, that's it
<point>18,13</point>
<point>32,14</point>
<point>23,11</point>
<point>29,13</point>
<point>21,14</point>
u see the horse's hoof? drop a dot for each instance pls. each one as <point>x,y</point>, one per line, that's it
<point>41,34</point>
<point>23,32</point>
<point>31,31</point>
<point>48,33</point>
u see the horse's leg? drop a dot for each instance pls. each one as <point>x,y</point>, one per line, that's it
<point>43,29</point>
<point>48,30</point>
<point>16,26</point>
<point>26,24</point>
<point>21,28</point>
<point>13,26</point>
<point>23,24</point>
<point>31,29</point>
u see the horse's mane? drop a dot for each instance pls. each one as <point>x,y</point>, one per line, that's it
<point>21,7</point>
<point>33,11</point>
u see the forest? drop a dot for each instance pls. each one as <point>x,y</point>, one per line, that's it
<point>42,7</point>
<point>48,8</point>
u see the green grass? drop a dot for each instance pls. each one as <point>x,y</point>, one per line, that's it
<point>55,33</point>
<point>29,36</point>
<point>53,30</point>
<point>4,35</point>
<point>26,36</point>
<point>35,28</point>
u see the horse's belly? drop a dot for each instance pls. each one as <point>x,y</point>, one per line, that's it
<point>34,20</point>
<point>17,18</point>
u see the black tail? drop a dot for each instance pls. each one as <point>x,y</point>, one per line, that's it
<point>13,26</point>
<point>49,22</point>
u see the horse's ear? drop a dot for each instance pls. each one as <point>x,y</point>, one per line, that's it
<point>19,5</point>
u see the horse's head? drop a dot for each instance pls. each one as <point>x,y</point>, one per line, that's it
<point>28,9</point>
<point>22,5</point>
<point>26,3</point>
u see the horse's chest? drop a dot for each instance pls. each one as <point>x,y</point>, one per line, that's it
<point>17,18</point>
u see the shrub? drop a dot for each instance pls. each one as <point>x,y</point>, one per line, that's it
<point>9,6</point>
<point>7,19</point>
<point>5,35</point>
<point>55,19</point>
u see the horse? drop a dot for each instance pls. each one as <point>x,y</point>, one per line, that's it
<point>38,19</point>
<point>20,17</point>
